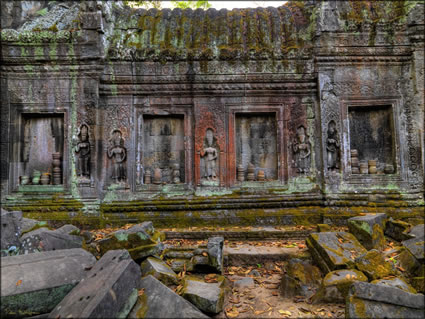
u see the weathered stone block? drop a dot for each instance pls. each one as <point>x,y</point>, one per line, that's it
<point>416,247</point>
<point>418,283</point>
<point>10,229</point>
<point>335,285</point>
<point>109,291</point>
<point>246,282</point>
<point>34,284</point>
<point>160,270</point>
<point>68,229</point>
<point>374,266</point>
<point>158,301</point>
<point>301,279</point>
<point>208,297</point>
<point>396,282</point>
<point>323,228</point>
<point>366,300</point>
<point>215,252</point>
<point>397,229</point>
<point>334,250</point>
<point>27,224</point>
<point>418,231</point>
<point>43,239</point>
<point>409,263</point>
<point>141,241</point>
<point>369,230</point>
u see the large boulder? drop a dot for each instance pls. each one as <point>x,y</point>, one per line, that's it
<point>374,266</point>
<point>366,300</point>
<point>160,270</point>
<point>109,291</point>
<point>140,240</point>
<point>369,230</point>
<point>208,297</point>
<point>334,250</point>
<point>335,285</point>
<point>10,229</point>
<point>159,301</point>
<point>34,284</point>
<point>301,279</point>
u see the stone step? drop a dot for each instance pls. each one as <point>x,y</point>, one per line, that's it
<point>242,233</point>
<point>246,254</point>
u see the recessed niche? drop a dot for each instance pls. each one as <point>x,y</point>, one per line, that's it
<point>372,134</point>
<point>42,136</point>
<point>163,146</point>
<point>256,145</point>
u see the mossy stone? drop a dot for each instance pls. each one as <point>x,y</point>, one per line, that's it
<point>396,282</point>
<point>374,266</point>
<point>335,285</point>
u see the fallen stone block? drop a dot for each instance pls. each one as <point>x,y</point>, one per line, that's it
<point>301,279</point>
<point>159,301</point>
<point>208,297</point>
<point>43,239</point>
<point>215,253</point>
<point>203,259</point>
<point>34,284</point>
<point>417,231</point>
<point>110,290</point>
<point>28,224</point>
<point>321,228</point>
<point>398,229</point>
<point>374,266</point>
<point>140,240</point>
<point>418,283</point>
<point>410,264</point>
<point>416,247</point>
<point>245,282</point>
<point>335,285</point>
<point>160,270</point>
<point>366,300</point>
<point>369,230</point>
<point>10,229</point>
<point>334,250</point>
<point>68,229</point>
<point>395,282</point>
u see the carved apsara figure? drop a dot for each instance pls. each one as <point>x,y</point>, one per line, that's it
<point>302,150</point>
<point>82,149</point>
<point>118,154</point>
<point>210,155</point>
<point>332,146</point>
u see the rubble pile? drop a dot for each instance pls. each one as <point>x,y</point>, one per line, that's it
<point>376,269</point>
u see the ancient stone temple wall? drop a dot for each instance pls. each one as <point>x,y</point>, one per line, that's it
<point>308,112</point>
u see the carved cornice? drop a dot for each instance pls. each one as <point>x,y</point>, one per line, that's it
<point>229,87</point>
<point>347,60</point>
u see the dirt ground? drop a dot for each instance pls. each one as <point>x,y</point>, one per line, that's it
<point>264,300</point>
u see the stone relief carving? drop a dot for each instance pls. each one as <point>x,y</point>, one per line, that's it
<point>118,154</point>
<point>210,155</point>
<point>302,151</point>
<point>332,147</point>
<point>82,149</point>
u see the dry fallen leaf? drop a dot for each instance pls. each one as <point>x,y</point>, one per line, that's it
<point>284,312</point>
<point>19,282</point>
<point>232,312</point>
